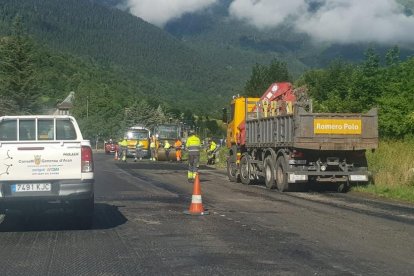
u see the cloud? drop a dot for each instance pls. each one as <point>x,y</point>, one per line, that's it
<point>340,21</point>
<point>265,13</point>
<point>359,20</point>
<point>159,12</point>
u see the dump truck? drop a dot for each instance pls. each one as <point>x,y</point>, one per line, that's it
<point>166,132</point>
<point>136,134</point>
<point>277,138</point>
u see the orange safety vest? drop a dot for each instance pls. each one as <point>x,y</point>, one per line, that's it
<point>178,144</point>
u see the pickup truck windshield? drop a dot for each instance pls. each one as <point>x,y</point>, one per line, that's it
<point>36,129</point>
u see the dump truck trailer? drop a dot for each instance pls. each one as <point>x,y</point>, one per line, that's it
<point>298,147</point>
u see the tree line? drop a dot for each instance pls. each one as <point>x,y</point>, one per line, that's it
<point>34,79</point>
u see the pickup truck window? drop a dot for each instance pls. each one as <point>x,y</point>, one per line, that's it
<point>8,130</point>
<point>46,129</point>
<point>65,130</point>
<point>27,130</point>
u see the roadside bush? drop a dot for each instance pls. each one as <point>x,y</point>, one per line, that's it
<point>392,165</point>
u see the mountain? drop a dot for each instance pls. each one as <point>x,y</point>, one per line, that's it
<point>159,62</point>
<point>214,31</point>
<point>238,46</point>
<point>196,61</point>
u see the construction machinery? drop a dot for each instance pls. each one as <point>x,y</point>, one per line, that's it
<point>277,138</point>
<point>166,132</point>
<point>135,135</point>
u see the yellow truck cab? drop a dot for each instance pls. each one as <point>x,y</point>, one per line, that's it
<point>135,135</point>
<point>238,114</point>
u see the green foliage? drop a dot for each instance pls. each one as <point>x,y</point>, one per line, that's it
<point>19,83</point>
<point>128,64</point>
<point>392,179</point>
<point>154,61</point>
<point>263,76</point>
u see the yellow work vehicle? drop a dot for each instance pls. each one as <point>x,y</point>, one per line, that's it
<point>163,133</point>
<point>138,141</point>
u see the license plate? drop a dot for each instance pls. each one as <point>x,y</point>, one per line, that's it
<point>36,187</point>
<point>358,178</point>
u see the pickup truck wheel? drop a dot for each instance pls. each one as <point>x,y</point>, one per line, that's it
<point>269,170</point>
<point>245,170</point>
<point>281,175</point>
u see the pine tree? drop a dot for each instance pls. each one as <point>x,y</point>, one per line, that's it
<point>17,70</point>
<point>262,77</point>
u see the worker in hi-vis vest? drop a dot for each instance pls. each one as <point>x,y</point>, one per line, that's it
<point>178,145</point>
<point>193,145</point>
<point>153,148</point>
<point>167,147</point>
<point>124,145</point>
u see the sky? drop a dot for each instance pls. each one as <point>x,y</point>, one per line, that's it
<point>340,21</point>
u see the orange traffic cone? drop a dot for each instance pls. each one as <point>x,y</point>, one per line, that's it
<point>116,155</point>
<point>196,207</point>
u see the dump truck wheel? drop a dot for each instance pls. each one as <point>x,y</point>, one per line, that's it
<point>281,176</point>
<point>269,170</point>
<point>343,187</point>
<point>232,171</point>
<point>245,170</point>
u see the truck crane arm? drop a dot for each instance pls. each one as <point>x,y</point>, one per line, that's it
<point>281,91</point>
<point>277,92</point>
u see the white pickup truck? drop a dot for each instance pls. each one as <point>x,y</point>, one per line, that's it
<point>44,159</point>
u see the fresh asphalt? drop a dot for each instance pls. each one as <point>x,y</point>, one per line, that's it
<point>139,228</point>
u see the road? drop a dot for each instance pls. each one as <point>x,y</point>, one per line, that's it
<point>139,229</point>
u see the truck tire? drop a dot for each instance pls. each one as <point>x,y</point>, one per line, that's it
<point>232,171</point>
<point>232,167</point>
<point>269,171</point>
<point>245,170</point>
<point>281,175</point>
<point>343,187</point>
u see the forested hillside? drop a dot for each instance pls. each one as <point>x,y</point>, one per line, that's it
<point>237,46</point>
<point>116,62</point>
<point>35,78</point>
<point>157,62</point>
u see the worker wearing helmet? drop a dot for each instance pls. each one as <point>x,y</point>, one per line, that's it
<point>178,145</point>
<point>138,151</point>
<point>124,144</point>
<point>211,152</point>
<point>193,145</point>
<point>167,147</point>
<point>153,148</point>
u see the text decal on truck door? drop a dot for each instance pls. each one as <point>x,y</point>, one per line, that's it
<point>337,126</point>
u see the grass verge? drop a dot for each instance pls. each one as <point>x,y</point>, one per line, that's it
<point>392,166</point>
